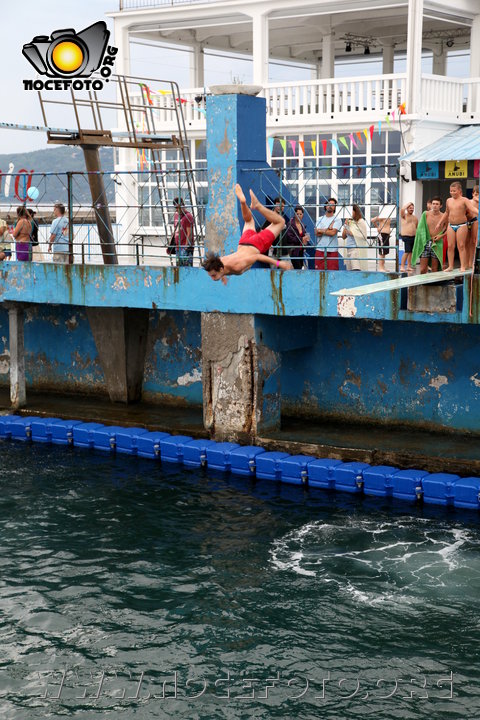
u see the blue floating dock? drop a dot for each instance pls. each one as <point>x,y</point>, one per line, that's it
<point>438,488</point>
<point>321,473</point>
<point>466,493</point>
<point>195,452</point>
<point>243,460</point>
<point>412,485</point>
<point>148,444</point>
<point>218,456</point>
<point>268,465</point>
<point>377,480</point>
<point>171,448</point>
<point>408,484</point>
<point>294,469</point>
<point>84,434</point>
<point>349,476</point>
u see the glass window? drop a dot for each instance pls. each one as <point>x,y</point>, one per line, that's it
<point>379,144</point>
<point>393,143</point>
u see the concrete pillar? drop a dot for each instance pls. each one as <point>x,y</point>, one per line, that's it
<point>121,338</point>
<point>197,67</point>
<point>18,388</point>
<point>328,56</point>
<point>241,377</point>
<point>414,55</point>
<point>236,138</point>
<point>260,49</point>
<point>475,48</point>
<point>388,54</point>
<point>121,33</point>
<point>439,65</point>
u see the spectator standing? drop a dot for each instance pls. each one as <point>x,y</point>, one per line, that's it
<point>383,226</point>
<point>408,227</point>
<point>295,238</point>
<point>184,241</point>
<point>355,235</point>
<point>59,235</point>
<point>21,234</point>
<point>326,230</point>
<point>37,255</point>
<point>6,242</point>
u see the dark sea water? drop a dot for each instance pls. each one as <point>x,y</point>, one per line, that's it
<point>132,590</point>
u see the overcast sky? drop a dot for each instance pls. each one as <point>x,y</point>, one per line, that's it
<point>22,21</point>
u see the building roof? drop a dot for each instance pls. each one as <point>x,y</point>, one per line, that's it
<point>461,144</point>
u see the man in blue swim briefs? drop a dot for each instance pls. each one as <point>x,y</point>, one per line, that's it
<point>252,246</point>
<point>455,215</point>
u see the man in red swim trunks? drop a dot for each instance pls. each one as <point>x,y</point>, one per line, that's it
<point>252,246</point>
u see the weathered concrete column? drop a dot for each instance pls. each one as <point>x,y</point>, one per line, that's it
<point>414,55</point>
<point>18,388</point>
<point>121,338</point>
<point>241,378</point>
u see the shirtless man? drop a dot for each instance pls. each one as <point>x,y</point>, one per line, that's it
<point>472,229</point>
<point>457,230</point>
<point>383,226</point>
<point>408,228</point>
<point>252,245</point>
<point>432,217</point>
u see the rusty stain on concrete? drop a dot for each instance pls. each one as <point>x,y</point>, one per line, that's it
<point>277,291</point>
<point>225,146</point>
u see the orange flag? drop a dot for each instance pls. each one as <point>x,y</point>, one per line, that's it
<point>302,145</point>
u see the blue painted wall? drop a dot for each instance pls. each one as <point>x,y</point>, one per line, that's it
<point>426,375</point>
<point>61,356</point>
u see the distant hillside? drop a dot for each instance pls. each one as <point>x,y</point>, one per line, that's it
<point>52,189</point>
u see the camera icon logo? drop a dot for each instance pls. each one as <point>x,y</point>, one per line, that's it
<point>67,54</point>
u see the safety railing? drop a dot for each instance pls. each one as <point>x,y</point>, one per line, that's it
<point>141,214</point>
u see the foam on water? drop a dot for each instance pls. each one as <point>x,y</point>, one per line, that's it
<point>399,558</point>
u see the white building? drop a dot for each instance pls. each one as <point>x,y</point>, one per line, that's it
<point>419,35</point>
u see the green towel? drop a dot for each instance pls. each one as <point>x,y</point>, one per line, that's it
<point>422,237</point>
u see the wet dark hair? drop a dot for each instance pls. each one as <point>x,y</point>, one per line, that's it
<point>178,201</point>
<point>299,207</point>
<point>212,262</point>
<point>438,199</point>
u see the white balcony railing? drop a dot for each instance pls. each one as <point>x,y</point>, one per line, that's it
<point>311,103</point>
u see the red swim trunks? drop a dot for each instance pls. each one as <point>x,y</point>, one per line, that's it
<point>262,240</point>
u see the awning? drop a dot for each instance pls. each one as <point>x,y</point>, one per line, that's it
<point>461,144</point>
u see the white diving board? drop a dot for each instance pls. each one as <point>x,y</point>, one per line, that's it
<point>404,282</point>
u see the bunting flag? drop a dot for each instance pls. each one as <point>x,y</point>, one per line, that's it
<point>365,132</point>
<point>379,127</point>
<point>198,142</point>
<point>270,144</point>
<point>324,147</point>
<point>302,145</point>
<point>388,121</point>
<point>344,142</point>
<point>402,109</point>
<point>283,143</point>
<point>371,128</point>
<point>393,114</point>
<point>293,145</point>
<point>359,136</point>
<point>352,140</point>
<point>335,145</point>
<point>314,147</point>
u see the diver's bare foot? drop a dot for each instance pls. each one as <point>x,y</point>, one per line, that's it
<point>239,194</point>
<point>448,269</point>
<point>255,202</point>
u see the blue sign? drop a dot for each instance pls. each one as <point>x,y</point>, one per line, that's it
<point>427,170</point>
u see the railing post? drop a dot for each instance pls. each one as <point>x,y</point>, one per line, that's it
<point>70,217</point>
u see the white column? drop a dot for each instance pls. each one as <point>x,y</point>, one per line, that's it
<point>328,57</point>
<point>387,58</point>
<point>439,64</point>
<point>414,55</point>
<point>197,67</point>
<point>18,388</point>
<point>122,42</point>
<point>260,49</point>
<point>475,47</point>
